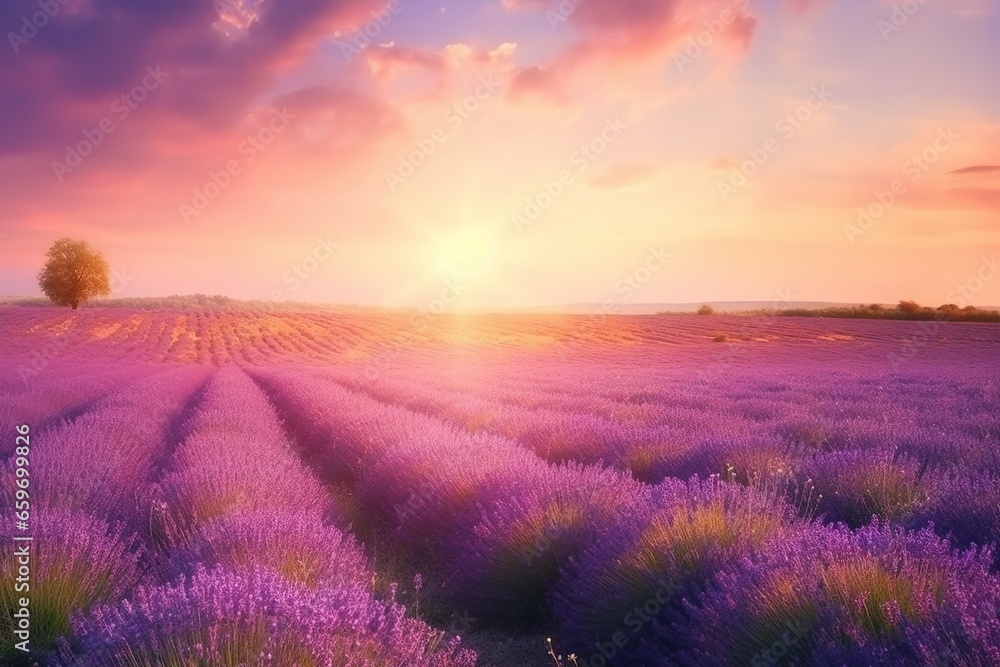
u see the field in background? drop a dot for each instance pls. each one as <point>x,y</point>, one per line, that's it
<point>380,338</point>
<point>645,490</point>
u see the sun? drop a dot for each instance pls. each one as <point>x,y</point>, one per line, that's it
<point>469,253</point>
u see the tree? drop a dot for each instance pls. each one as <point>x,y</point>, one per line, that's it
<point>706,310</point>
<point>949,309</point>
<point>74,273</point>
<point>908,307</point>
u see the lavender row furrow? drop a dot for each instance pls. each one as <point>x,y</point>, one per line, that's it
<point>616,567</point>
<point>86,477</point>
<point>254,569</point>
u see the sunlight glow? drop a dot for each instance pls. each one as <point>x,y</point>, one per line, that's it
<point>470,253</point>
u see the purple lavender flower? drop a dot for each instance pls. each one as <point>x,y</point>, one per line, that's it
<point>236,458</point>
<point>858,485</point>
<point>75,562</point>
<point>507,565</point>
<point>99,462</point>
<point>291,543</point>
<point>255,617</point>
<point>635,576</point>
<point>966,508</point>
<point>426,493</point>
<point>831,596</point>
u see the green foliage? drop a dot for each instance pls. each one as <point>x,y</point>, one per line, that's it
<point>706,310</point>
<point>946,313</point>
<point>74,273</point>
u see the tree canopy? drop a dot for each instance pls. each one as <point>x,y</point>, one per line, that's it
<point>73,273</point>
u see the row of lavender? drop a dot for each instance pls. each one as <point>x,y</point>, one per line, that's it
<point>703,572</point>
<point>221,551</point>
<point>41,390</point>
<point>915,449</point>
<point>941,417</point>
<point>85,478</point>
<point>661,425</point>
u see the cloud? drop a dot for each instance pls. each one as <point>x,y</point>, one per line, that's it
<point>975,9</point>
<point>977,169</point>
<point>802,7</point>
<point>388,61</point>
<point>225,79</point>
<point>629,31</point>
<point>538,84</point>
<point>972,198</point>
<point>613,38</point>
<point>340,116</point>
<point>724,164</point>
<point>62,80</point>
<point>448,68</point>
<point>625,175</point>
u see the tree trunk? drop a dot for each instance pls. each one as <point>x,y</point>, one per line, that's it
<point>75,304</point>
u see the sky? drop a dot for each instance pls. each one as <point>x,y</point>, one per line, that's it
<point>507,153</point>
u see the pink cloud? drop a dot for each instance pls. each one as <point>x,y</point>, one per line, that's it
<point>977,169</point>
<point>972,198</point>
<point>802,7</point>
<point>537,84</point>
<point>625,175</point>
<point>64,78</point>
<point>388,61</point>
<point>630,31</point>
<point>616,36</point>
<point>449,69</point>
<point>724,164</point>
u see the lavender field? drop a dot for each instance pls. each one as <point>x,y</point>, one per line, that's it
<point>338,488</point>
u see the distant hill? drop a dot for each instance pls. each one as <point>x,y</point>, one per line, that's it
<point>192,302</point>
<point>719,306</point>
<point>224,303</point>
